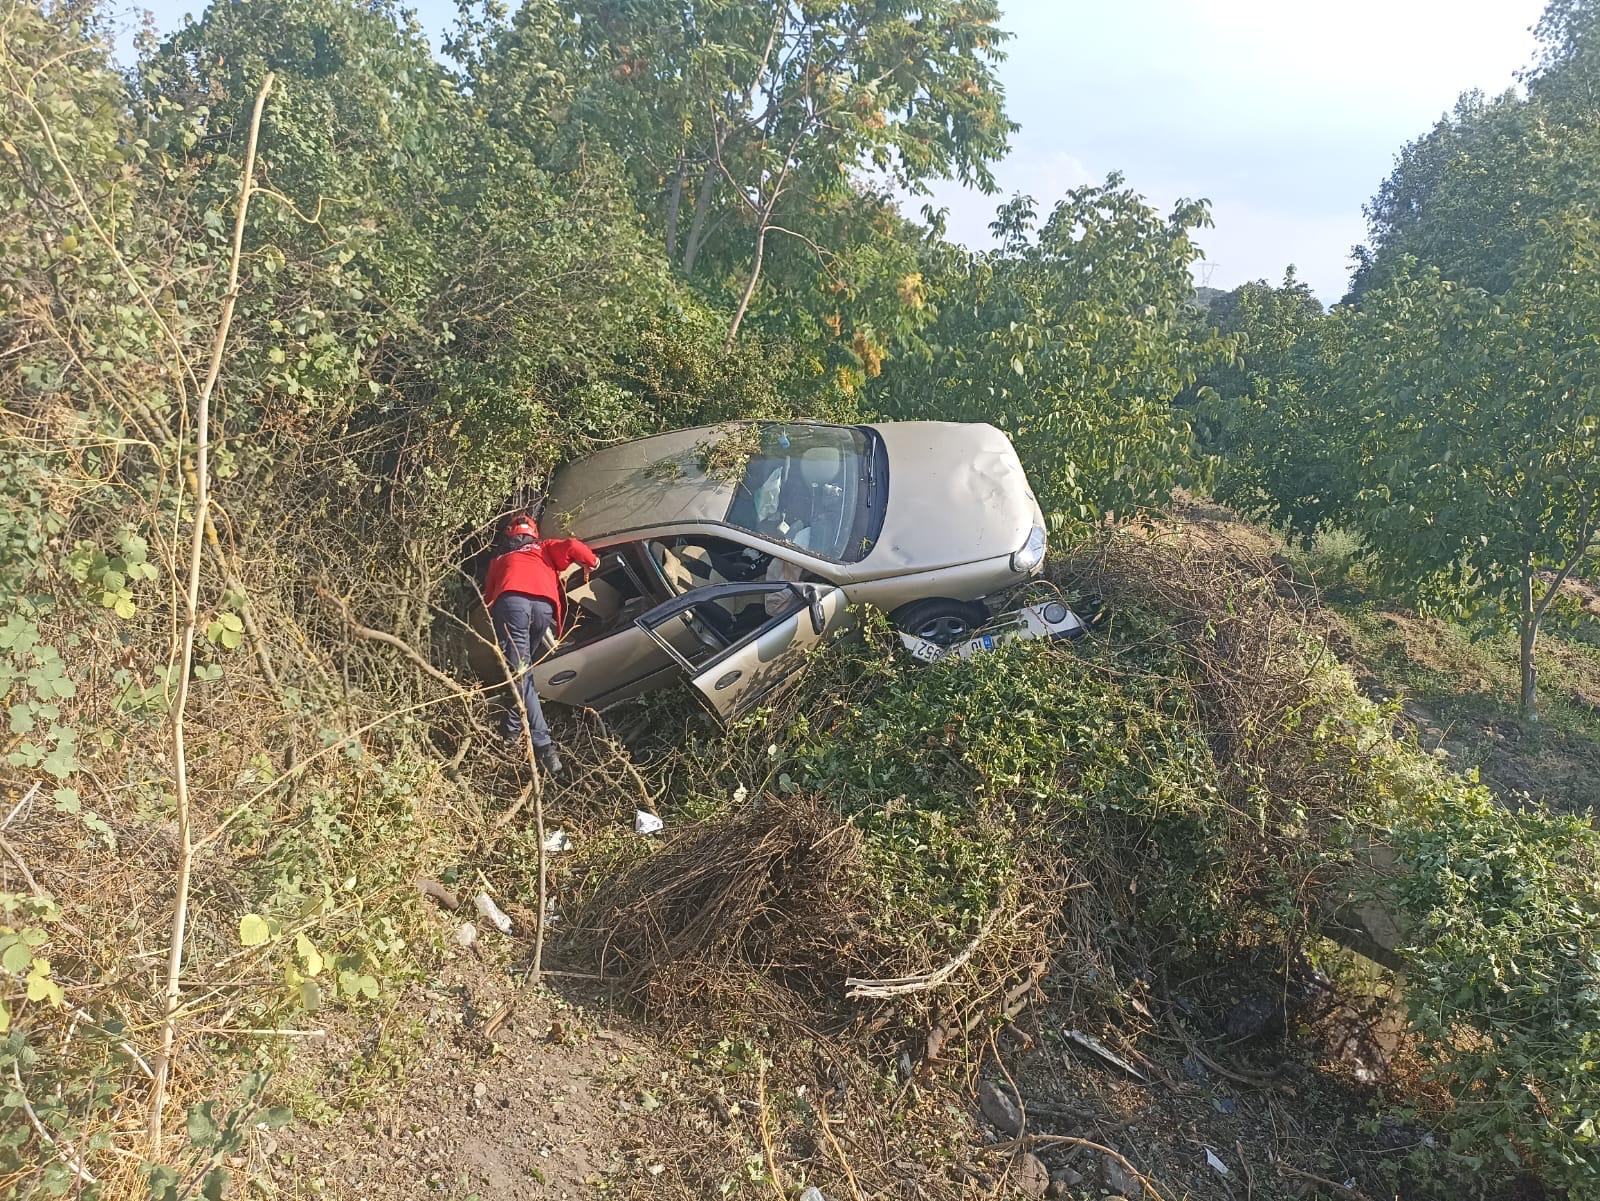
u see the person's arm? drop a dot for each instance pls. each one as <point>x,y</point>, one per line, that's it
<point>564,552</point>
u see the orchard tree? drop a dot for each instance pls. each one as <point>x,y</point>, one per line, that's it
<point>742,119</point>
<point>1265,410</point>
<point>1480,418</point>
<point>1074,337</point>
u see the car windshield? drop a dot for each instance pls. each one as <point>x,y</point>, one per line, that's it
<point>804,486</point>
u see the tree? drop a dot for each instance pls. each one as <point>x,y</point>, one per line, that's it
<point>1075,338</point>
<point>1266,410</point>
<point>741,120</point>
<point>1480,427</point>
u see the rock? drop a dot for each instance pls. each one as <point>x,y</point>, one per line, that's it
<point>999,1108</point>
<point>1030,1177</point>
<point>1064,1180</point>
<point>1118,1179</point>
<point>1195,1070</point>
<point>1254,1016</point>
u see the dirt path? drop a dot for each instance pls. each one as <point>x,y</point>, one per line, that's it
<point>553,1105</point>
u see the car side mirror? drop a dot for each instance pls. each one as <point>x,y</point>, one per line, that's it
<point>812,596</point>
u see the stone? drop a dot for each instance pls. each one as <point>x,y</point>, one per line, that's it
<point>1064,1180</point>
<point>1118,1179</point>
<point>999,1108</point>
<point>1254,1016</point>
<point>1030,1177</point>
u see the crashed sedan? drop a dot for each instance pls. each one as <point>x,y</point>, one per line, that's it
<point>727,552</point>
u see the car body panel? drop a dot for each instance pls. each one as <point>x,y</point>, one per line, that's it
<point>752,671</point>
<point>941,468</point>
<point>644,485</point>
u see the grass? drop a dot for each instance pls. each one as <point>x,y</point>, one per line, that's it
<point>1461,691</point>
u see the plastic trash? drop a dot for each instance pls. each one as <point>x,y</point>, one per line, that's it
<point>557,840</point>
<point>646,823</point>
<point>1217,1166</point>
<point>492,912</point>
<point>813,1193</point>
<point>467,935</point>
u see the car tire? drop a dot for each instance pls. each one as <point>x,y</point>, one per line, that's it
<point>940,620</point>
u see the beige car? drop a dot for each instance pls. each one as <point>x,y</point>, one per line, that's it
<point>726,552</point>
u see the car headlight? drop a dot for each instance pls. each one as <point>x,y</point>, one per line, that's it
<point>1032,552</point>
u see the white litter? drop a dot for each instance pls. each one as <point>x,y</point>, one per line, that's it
<point>1095,1047</point>
<point>557,840</point>
<point>467,935</point>
<point>492,913</point>
<point>1216,1165</point>
<point>646,823</point>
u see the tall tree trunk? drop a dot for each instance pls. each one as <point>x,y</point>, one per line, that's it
<point>674,200</point>
<point>1527,637</point>
<point>749,285</point>
<point>697,224</point>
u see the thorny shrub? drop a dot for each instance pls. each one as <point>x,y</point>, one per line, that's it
<point>1200,773</point>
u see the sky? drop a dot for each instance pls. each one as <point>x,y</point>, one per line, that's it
<point>1284,114</point>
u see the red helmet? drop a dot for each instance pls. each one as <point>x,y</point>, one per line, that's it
<point>521,525</point>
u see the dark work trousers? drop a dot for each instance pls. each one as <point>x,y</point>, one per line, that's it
<point>520,622</point>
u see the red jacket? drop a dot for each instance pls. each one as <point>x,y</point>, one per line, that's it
<point>536,571</point>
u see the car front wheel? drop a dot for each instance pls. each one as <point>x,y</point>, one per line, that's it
<point>940,620</point>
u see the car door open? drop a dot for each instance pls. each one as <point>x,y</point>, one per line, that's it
<point>742,662</point>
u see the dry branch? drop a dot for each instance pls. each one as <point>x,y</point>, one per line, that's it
<point>858,989</point>
<point>180,701</point>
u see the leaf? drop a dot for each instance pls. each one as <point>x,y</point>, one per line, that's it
<point>202,1125</point>
<point>253,930</point>
<point>163,1183</point>
<point>41,987</point>
<point>16,957</point>
<point>310,957</point>
<point>276,1117</point>
<point>215,1182</point>
<point>5,1018</point>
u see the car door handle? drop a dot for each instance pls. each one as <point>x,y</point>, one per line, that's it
<point>725,680</point>
<point>563,677</point>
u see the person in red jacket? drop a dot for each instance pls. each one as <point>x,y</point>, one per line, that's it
<point>523,596</point>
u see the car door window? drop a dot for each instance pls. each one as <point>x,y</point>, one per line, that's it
<point>735,668</point>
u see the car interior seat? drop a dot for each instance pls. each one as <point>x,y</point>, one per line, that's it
<point>673,569</point>
<point>822,465</point>
<point>594,596</point>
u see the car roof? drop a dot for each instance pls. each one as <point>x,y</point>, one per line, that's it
<point>640,485</point>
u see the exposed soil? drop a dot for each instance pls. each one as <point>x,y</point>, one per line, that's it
<point>555,1104</point>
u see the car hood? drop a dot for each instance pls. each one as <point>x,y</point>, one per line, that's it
<point>957,494</point>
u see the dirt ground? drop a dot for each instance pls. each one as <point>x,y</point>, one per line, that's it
<point>555,1104</point>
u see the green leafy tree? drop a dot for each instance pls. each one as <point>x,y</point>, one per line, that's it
<point>1266,410</point>
<point>1480,427</point>
<point>741,121</point>
<point>1074,337</point>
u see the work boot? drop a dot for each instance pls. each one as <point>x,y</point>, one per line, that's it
<point>548,759</point>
